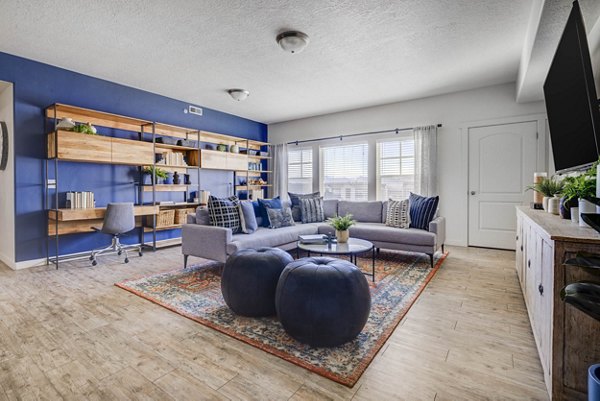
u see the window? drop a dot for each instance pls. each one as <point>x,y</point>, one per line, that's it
<point>300,170</point>
<point>345,172</point>
<point>395,168</point>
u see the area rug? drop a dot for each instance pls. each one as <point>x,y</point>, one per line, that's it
<point>196,293</point>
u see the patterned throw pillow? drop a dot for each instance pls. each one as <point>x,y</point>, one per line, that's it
<point>296,208</point>
<point>224,213</point>
<point>398,214</point>
<point>422,210</point>
<point>312,210</point>
<point>264,204</point>
<point>280,217</point>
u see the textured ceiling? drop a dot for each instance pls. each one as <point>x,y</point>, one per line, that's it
<point>362,52</point>
<point>548,21</point>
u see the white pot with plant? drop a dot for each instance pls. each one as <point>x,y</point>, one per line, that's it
<point>548,187</point>
<point>342,224</point>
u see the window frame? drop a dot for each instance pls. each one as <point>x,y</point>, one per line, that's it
<point>378,158</point>
<point>321,167</point>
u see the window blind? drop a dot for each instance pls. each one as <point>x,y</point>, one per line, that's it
<point>345,171</point>
<point>395,168</point>
<point>300,170</point>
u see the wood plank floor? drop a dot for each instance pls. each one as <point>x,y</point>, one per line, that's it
<point>70,334</point>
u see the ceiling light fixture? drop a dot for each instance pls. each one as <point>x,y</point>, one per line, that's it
<point>238,94</point>
<point>292,41</point>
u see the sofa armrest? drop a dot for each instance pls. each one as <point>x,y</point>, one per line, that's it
<point>207,242</point>
<point>438,226</point>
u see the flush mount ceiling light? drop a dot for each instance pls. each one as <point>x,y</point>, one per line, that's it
<point>238,94</point>
<point>292,41</point>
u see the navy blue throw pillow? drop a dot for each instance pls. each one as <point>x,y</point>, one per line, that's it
<point>274,203</point>
<point>422,210</point>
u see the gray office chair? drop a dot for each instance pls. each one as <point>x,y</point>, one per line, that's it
<point>118,219</point>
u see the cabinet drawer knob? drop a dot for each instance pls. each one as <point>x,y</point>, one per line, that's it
<point>541,289</point>
<point>517,237</point>
<point>529,263</point>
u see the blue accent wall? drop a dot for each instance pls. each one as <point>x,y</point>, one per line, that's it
<point>37,86</point>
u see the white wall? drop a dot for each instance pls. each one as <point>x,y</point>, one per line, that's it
<point>454,111</point>
<point>7,181</point>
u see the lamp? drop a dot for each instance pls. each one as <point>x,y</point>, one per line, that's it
<point>238,94</point>
<point>292,41</point>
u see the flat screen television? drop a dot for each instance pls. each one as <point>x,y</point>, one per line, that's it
<point>571,101</point>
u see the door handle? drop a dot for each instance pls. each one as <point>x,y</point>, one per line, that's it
<point>473,192</point>
<point>541,289</point>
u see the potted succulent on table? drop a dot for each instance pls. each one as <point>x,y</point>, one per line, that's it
<point>549,188</point>
<point>575,194</point>
<point>148,172</point>
<point>341,226</point>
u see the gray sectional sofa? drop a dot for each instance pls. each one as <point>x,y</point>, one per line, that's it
<point>216,243</point>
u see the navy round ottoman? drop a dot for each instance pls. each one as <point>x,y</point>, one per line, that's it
<point>323,302</point>
<point>250,279</point>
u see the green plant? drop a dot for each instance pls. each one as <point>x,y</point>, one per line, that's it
<point>547,186</point>
<point>159,172</point>
<point>84,129</point>
<point>579,187</point>
<point>341,223</point>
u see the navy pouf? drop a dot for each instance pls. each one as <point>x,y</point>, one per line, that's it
<point>594,383</point>
<point>323,302</point>
<point>250,279</point>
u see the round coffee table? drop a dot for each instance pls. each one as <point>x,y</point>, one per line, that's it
<point>352,248</point>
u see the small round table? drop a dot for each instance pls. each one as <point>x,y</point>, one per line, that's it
<point>352,248</point>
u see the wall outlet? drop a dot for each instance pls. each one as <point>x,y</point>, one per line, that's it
<point>195,110</point>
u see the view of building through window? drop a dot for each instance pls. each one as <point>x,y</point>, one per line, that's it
<point>395,168</point>
<point>300,170</point>
<point>345,172</point>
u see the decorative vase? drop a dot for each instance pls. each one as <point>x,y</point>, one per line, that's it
<point>342,236</point>
<point>537,178</point>
<point>575,215</point>
<point>146,179</point>
<point>234,149</point>
<point>565,207</point>
<point>585,206</point>
<point>169,179</point>
<point>545,202</point>
<point>222,147</point>
<point>176,178</point>
<point>186,179</point>
<point>554,205</point>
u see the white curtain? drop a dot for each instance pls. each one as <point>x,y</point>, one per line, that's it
<point>426,160</point>
<point>279,168</point>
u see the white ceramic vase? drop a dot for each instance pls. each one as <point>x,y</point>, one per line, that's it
<point>545,202</point>
<point>342,236</point>
<point>585,206</point>
<point>575,215</point>
<point>554,205</point>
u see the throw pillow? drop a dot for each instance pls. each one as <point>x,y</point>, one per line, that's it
<point>224,212</point>
<point>295,199</point>
<point>398,214</point>
<point>280,217</point>
<point>248,221</point>
<point>274,203</point>
<point>259,219</point>
<point>202,216</point>
<point>422,210</point>
<point>312,210</point>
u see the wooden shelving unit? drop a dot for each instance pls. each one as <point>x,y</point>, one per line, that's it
<point>103,148</point>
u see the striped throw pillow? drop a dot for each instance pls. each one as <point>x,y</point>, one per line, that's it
<point>224,213</point>
<point>312,210</point>
<point>398,214</point>
<point>422,210</point>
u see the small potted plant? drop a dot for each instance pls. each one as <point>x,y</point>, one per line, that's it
<point>576,191</point>
<point>342,225</point>
<point>548,187</point>
<point>148,172</point>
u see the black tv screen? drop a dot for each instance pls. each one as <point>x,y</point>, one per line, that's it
<point>571,100</point>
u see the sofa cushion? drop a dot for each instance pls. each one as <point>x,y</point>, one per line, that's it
<point>274,203</point>
<point>247,217</point>
<point>330,208</point>
<point>279,218</point>
<point>397,215</point>
<point>312,210</point>
<point>368,212</point>
<point>295,200</point>
<point>224,212</point>
<point>202,216</point>
<point>270,238</point>
<point>379,232</point>
<point>422,210</point>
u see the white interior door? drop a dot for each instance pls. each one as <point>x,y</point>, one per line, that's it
<point>502,160</point>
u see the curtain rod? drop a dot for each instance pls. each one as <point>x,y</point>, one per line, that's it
<point>340,137</point>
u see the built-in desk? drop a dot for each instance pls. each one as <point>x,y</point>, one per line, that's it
<point>72,221</point>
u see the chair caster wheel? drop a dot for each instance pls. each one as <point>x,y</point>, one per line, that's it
<point>94,263</point>
<point>91,258</point>
<point>126,260</point>
<point>119,253</point>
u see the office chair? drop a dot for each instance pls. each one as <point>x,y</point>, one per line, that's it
<point>119,219</point>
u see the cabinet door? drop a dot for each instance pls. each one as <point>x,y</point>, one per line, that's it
<point>213,159</point>
<point>136,153</point>
<point>530,270</point>
<point>80,147</point>
<point>237,162</point>
<point>519,247</point>
<point>545,295</point>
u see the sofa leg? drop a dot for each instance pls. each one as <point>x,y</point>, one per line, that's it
<point>442,248</point>
<point>430,259</point>
<point>378,250</point>
<point>185,259</point>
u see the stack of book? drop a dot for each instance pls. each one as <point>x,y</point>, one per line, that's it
<point>313,239</point>
<point>172,159</point>
<point>80,200</point>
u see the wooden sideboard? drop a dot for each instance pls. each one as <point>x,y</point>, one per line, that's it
<point>568,340</point>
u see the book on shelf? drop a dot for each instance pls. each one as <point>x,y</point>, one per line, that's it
<point>80,200</point>
<point>312,239</point>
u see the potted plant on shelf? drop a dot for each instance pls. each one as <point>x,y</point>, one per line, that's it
<point>341,226</point>
<point>548,187</point>
<point>148,172</point>
<point>576,191</point>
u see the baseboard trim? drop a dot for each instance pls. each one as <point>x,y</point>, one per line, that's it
<point>26,264</point>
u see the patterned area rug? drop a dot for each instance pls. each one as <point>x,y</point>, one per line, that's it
<point>196,293</point>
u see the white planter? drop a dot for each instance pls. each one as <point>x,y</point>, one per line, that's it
<point>575,215</point>
<point>554,205</point>
<point>585,207</point>
<point>342,236</point>
<point>545,202</point>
